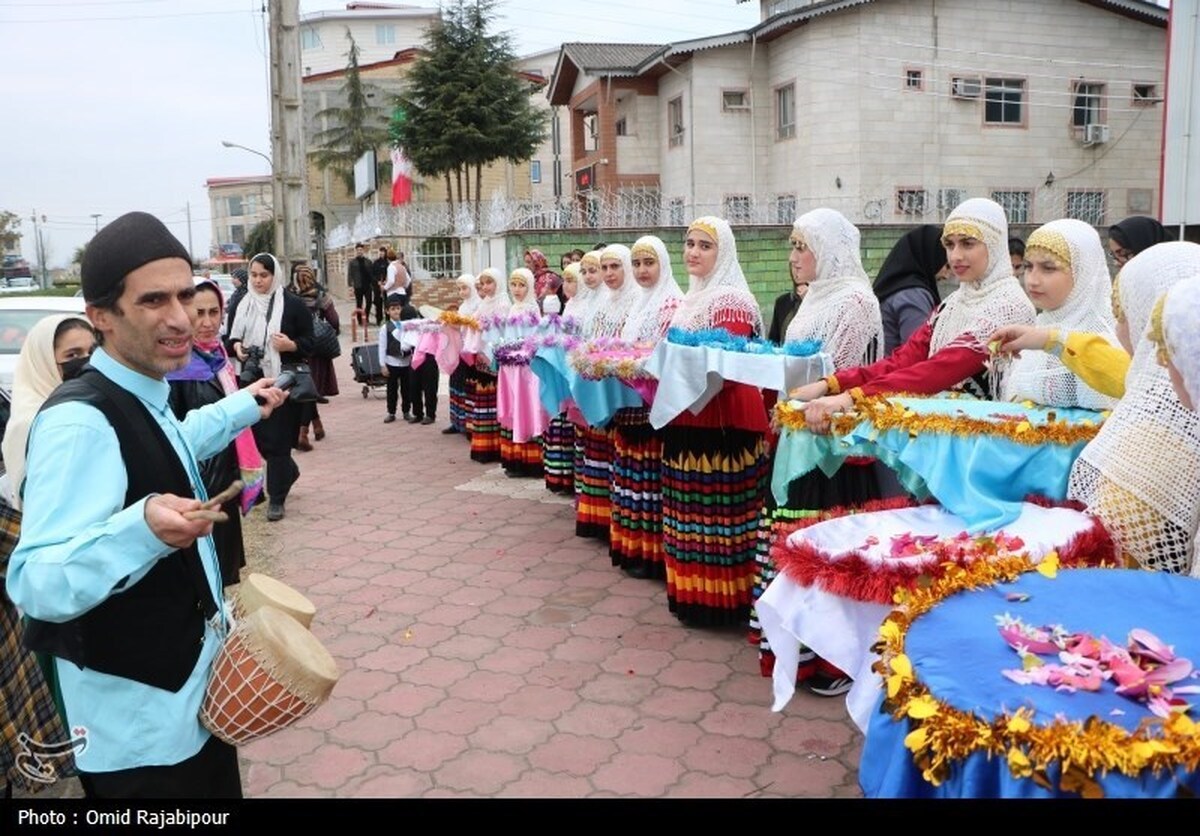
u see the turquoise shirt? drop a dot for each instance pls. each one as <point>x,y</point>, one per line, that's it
<point>78,542</point>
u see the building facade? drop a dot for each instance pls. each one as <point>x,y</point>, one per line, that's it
<point>235,206</point>
<point>891,111</point>
<point>379,29</point>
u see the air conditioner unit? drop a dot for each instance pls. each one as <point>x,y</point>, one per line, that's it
<point>1095,134</point>
<point>966,88</point>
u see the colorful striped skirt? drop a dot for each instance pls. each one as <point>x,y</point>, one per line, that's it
<point>458,398</point>
<point>558,455</point>
<point>713,482</point>
<point>635,532</point>
<point>593,482</point>
<point>520,458</point>
<point>482,423</point>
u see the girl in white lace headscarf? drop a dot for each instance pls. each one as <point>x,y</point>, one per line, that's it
<point>1176,329</point>
<point>655,304</point>
<point>616,267</point>
<point>1138,474</point>
<point>469,300</point>
<point>496,301</point>
<point>720,298</point>
<point>1075,248</point>
<point>520,283</point>
<point>840,309</point>
<point>589,294</point>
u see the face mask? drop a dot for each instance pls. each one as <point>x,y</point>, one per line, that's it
<point>71,368</point>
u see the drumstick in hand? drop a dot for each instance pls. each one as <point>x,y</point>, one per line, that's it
<point>210,509</point>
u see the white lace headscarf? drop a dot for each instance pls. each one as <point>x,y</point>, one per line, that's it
<point>840,308</point>
<point>1038,375</point>
<point>976,310</point>
<point>498,303</point>
<point>251,325</point>
<point>470,305</point>
<point>654,306</point>
<point>1181,333</point>
<point>617,305</point>
<point>1138,474</point>
<point>723,294</point>
<point>582,306</point>
<point>529,303</point>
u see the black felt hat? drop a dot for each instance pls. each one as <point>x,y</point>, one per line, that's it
<point>123,246</point>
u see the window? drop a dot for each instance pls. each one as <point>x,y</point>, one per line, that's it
<point>385,34</point>
<point>675,212</point>
<point>910,201</point>
<point>442,257</point>
<point>251,204</point>
<point>1003,102</point>
<point>785,208</point>
<point>310,38</point>
<point>948,199</point>
<point>235,206</point>
<point>675,122</point>
<point>535,171</point>
<point>237,234</point>
<point>734,100</point>
<point>1145,95</point>
<point>622,127</point>
<point>1015,205</point>
<point>1087,103</point>
<point>591,132</point>
<point>1086,206</point>
<point>914,80</point>
<point>785,111</point>
<point>737,208</point>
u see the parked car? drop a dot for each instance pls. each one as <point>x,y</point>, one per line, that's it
<point>17,316</point>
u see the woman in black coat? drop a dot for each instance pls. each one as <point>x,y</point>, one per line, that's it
<point>206,379</point>
<point>273,326</point>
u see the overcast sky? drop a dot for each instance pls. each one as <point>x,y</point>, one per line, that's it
<point>114,105</point>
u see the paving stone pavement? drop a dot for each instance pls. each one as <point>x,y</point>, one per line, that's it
<point>486,651</point>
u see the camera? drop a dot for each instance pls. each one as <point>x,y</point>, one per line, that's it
<point>285,381</point>
<point>252,369</point>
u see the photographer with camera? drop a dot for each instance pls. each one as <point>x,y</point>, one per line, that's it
<point>271,329</point>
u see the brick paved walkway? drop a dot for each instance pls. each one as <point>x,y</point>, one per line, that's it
<point>487,651</point>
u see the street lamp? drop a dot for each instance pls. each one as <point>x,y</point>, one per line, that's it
<point>229,144</point>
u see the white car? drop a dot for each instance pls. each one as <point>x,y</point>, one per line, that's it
<point>17,316</point>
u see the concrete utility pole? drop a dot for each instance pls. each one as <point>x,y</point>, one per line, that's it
<point>188,208</point>
<point>288,152</point>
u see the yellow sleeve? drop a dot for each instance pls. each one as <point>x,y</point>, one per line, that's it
<point>1096,361</point>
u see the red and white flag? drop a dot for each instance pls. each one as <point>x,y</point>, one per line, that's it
<point>401,177</point>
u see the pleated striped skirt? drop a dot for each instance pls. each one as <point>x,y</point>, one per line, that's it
<point>482,423</point>
<point>593,482</point>
<point>520,458</point>
<point>458,398</point>
<point>558,455</point>
<point>713,482</point>
<point>635,530</point>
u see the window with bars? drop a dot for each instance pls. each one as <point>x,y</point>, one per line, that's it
<point>675,212</point>
<point>1086,206</point>
<point>1004,101</point>
<point>675,122</point>
<point>785,209</point>
<point>1088,103</point>
<point>1015,203</point>
<point>785,111</point>
<point>737,208</point>
<point>912,201</point>
<point>914,80</point>
<point>441,257</point>
<point>948,199</point>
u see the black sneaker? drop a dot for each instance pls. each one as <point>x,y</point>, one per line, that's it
<point>412,419</point>
<point>389,419</point>
<point>450,431</point>
<point>275,512</point>
<point>828,686</point>
<point>428,419</point>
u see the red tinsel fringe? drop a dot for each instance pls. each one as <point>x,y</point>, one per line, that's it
<point>849,575</point>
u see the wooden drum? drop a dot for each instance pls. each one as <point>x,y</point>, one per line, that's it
<point>258,590</point>
<point>270,672</point>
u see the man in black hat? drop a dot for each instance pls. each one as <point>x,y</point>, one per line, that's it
<point>115,567</point>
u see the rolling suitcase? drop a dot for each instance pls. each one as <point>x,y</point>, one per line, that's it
<point>364,360</point>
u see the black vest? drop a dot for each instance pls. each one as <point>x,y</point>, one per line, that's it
<point>394,349</point>
<point>150,632</point>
